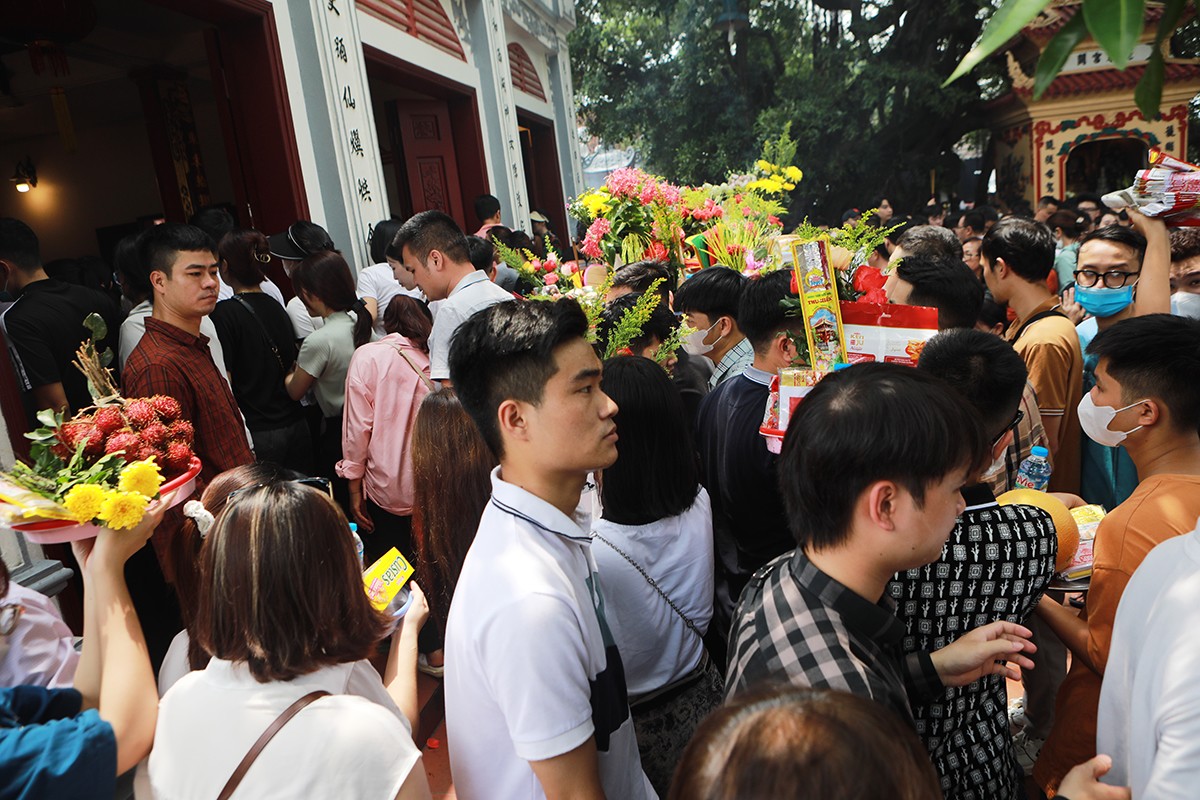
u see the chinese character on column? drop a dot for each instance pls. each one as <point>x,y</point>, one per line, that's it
<point>364,191</point>
<point>355,143</point>
<point>339,49</point>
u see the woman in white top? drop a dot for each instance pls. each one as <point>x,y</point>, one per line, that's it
<point>282,610</point>
<point>656,520</point>
<point>323,282</point>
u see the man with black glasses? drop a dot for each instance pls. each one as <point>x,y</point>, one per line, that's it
<point>1121,273</point>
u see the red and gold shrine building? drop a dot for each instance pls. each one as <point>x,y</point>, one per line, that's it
<point>1085,133</point>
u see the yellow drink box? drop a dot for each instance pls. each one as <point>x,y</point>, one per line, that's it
<point>385,578</point>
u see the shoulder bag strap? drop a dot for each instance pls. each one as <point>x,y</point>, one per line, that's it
<point>1050,312</point>
<point>295,708</point>
<point>270,342</point>
<point>653,584</point>
<point>424,378</point>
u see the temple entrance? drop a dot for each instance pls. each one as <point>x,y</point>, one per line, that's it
<point>430,139</point>
<point>1104,166</point>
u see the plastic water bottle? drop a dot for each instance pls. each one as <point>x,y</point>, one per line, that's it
<point>1034,472</point>
<point>358,543</point>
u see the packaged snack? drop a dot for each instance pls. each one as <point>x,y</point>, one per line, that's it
<point>794,385</point>
<point>386,577</point>
<point>1088,519</point>
<point>888,333</point>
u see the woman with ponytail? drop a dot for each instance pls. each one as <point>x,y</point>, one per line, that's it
<point>324,284</point>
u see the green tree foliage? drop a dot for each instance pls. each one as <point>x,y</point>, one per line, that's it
<point>1114,24</point>
<point>860,83</point>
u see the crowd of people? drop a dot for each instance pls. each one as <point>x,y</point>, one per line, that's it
<point>631,595</point>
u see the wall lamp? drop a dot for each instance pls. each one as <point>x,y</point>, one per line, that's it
<point>25,176</point>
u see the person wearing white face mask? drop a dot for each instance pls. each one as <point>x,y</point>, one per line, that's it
<point>1147,399</point>
<point>709,300</point>
<point>1112,262</point>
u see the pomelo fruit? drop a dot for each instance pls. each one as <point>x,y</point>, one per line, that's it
<point>1065,526</point>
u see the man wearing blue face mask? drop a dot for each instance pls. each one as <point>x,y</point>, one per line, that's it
<point>1113,263</point>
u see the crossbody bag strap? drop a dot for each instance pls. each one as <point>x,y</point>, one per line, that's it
<point>295,708</point>
<point>653,584</point>
<point>1041,315</point>
<point>424,378</point>
<point>266,335</point>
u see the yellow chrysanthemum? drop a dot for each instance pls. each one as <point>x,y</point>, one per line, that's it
<point>764,165</point>
<point>142,477</point>
<point>83,502</point>
<point>122,510</point>
<point>794,174</point>
<point>596,203</point>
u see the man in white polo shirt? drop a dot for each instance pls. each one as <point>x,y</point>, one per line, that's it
<point>536,702</point>
<point>434,249</point>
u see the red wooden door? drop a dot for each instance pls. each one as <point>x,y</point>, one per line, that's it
<point>429,162</point>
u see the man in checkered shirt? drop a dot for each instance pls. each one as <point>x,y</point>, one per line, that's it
<point>871,473</point>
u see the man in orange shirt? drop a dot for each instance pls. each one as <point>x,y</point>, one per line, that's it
<point>1017,255</point>
<point>1146,398</point>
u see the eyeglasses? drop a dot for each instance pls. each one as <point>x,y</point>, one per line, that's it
<point>1016,420</point>
<point>1114,279</point>
<point>322,485</point>
<point>10,615</point>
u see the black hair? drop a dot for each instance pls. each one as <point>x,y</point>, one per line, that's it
<point>1118,234</point>
<point>159,245</point>
<point>1072,223</point>
<point>992,313</point>
<point>868,423</point>
<point>760,315</point>
<point>127,263</point>
<point>506,352</point>
<point>975,221</point>
<point>381,238</point>
<point>655,475</point>
<point>1185,243</point>
<point>326,276</point>
<point>952,220</point>
<point>1026,246</point>
<point>216,221</point>
<point>988,213</point>
<point>983,368</point>
<point>486,207</point>
<point>483,253</point>
<point>430,230</point>
<point>1158,356</point>
<point>1048,200</point>
<point>1087,198</point>
<point>19,244</point>
<point>945,283</point>
<point>309,237</point>
<point>898,227</point>
<point>714,292</point>
<point>930,240</point>
<point>638,276</point>
<point>660,325</point>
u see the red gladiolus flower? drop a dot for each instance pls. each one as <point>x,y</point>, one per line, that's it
<point>875,296</point>
<point>868,278</point>
<point>795,286</point>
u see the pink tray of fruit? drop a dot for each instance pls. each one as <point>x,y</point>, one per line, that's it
<point>57,531</point>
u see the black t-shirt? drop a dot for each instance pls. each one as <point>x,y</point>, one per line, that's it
<point>45,328</point>
<point>256,374</point>
<point>749,523</point>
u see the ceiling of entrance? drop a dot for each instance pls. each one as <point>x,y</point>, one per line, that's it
<point>129,34</point>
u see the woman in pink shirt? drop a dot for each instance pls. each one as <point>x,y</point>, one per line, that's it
<point>386,381</point>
